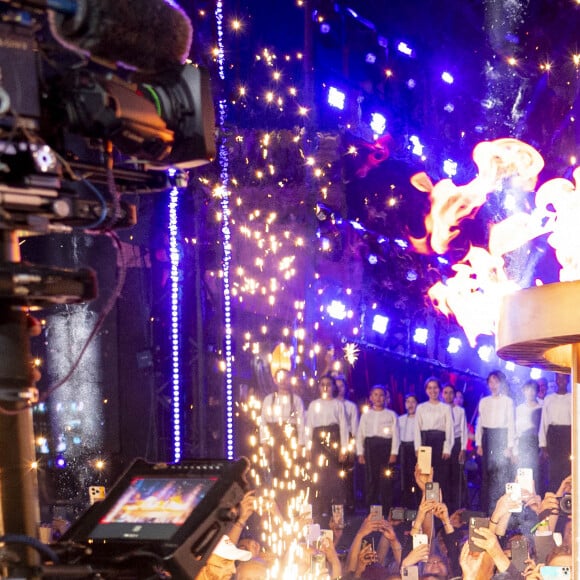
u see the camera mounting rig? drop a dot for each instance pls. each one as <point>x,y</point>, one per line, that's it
<point>67,127</point>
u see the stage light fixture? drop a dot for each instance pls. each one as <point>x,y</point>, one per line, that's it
<point>485,352</point>
<point>535,374</point>
<point>380,323</point>
<point>454,345</point>
<point>370,58</point>
<point>421,335</point>
<point>447,78</point>
<point>324,28</point>
<point>510,366</point>
<point>450,167</point>
<point>372,259</point>
<point>378,124</point>
<point>336,310</point>
<point>336,98</point>
<point>417,145</point>
<point>405,49</point>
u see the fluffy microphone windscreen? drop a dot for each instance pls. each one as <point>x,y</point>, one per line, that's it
<point>150,35</point>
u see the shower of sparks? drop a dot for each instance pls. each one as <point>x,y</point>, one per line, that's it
<point>351,352</point>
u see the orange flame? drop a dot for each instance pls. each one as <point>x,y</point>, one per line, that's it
<point>474,293</point>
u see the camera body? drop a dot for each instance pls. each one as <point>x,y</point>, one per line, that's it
<point>565,504</point>
<point>65,119</point>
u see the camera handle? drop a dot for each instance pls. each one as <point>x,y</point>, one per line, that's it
<point>23,286</point>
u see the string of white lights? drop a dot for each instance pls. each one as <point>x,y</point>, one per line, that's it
<point>174,258</point>
<point>226,242</point>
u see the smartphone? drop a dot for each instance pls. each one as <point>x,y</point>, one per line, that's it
<point>327,534</point>
<point>475,523</point>
<point>338,515</point>
<point>432,491</point>
<point>543,545</point>
<point>514,490</point>
<point>410,515</point>
<point>397,514</point>
<point>312,533</point>
<point>96,493</point>
<point>420,540</point>
<point>376,513</point>
<point>525,477</point>
<point>411,572</point>
<point>520,553</point>
<point>424,459</point>
<point>555,572</point>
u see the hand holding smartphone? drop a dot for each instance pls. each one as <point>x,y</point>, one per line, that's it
<point>515,493</point>
<point>376,513</point>
<point>420,540</point>
<point>525,477</point>
<point>432,491</point>
<point>475,523</point>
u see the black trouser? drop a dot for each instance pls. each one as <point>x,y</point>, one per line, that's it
<point>457,497</point>
<point>435,440</point>
<point>496,468</point>
<point>528,449</point>
<point>410,493</point>
<point>329,487</point>
<point>379,485</point>
<point>559,448</point>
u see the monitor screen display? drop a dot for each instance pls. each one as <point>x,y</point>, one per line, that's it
<point>152,508</point>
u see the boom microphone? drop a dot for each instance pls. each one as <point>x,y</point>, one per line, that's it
<point>149,35</point>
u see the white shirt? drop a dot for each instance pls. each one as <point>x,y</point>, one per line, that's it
<point>351,411</point>
<point>407,428</point>
<point>281,409</point>
<point>374,423</point>
<point>323,412</point>
<point>496,413</point>
<point>436,417</point>
<point>557,410</point>
<point>526,417</point>
<point>459,425</point>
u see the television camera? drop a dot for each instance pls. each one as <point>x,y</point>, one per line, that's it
<point>97,99</point>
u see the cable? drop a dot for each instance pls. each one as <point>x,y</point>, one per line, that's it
<point>41,548</point>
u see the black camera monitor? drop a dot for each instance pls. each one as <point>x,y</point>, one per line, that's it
<point>176,511</point>
<point>152,508</point>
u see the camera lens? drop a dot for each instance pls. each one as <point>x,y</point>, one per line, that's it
<point>566,504</point>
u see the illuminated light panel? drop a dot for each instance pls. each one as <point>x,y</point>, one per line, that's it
<point>175,324</point>
<point>337,310</point>
<point>378,123</point>
<point>447,78</point>
<point>454,345</point>
<point>405,49</point>
<point>485,352</point>
<point>380,323</point>
<point>450,167</point>
<point>336,98</point>
<point>421,335</point>
<point>535,373</point>
<point>417,145</point>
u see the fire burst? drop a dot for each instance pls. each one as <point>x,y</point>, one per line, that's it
<point>473,295</point>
